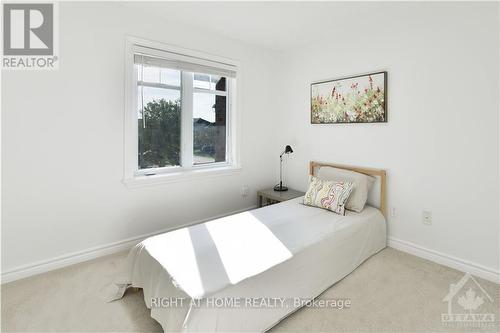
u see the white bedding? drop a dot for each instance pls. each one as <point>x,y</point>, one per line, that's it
<point>284,251</point>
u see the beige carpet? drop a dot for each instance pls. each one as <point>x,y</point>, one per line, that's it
<point>390,292</point>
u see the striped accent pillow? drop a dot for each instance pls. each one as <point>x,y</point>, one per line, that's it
<point>328,194</point>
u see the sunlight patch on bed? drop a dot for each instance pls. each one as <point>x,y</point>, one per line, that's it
<point>176,253</point>
<point>246,246</point>
<point>206,257</point>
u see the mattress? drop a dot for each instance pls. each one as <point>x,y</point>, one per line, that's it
<point>207,277</point>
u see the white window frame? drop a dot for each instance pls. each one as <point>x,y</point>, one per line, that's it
<point>133,177</point>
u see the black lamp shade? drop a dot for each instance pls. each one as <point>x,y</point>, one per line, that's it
<point>288,149</point>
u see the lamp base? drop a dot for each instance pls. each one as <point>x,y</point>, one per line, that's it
<point>280,188</point>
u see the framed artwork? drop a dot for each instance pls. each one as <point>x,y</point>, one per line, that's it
<point>356,99</point>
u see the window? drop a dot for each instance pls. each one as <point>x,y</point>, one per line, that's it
<point>158,115</point>
<point>209,119</point>
<point>180,112</point>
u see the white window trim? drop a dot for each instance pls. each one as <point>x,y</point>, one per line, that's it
<point>137,178</point>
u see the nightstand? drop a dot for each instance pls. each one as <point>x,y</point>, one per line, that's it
<point>271,196</point>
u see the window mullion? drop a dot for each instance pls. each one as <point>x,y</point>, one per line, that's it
<point>208,91</point>
<point>187,120</point>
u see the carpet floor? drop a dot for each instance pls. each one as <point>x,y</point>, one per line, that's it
<point>390,292</point>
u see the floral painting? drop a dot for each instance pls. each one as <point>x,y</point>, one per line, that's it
<point>360,99</point>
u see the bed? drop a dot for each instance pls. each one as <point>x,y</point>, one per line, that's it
<point>198,279</point>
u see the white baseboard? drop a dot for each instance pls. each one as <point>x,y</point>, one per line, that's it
<point>462,265</point>
<point>43,266</point>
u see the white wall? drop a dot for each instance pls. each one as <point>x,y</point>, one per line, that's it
<point>63,141</point>
<point>441,143</point>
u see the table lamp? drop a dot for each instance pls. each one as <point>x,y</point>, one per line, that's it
<point>280,187</point>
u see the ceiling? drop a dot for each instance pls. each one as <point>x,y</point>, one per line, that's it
<point>274,25</point>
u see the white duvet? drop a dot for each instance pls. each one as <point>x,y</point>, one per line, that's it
<point>280,252</point>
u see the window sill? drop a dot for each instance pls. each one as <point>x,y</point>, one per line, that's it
<point>180,176</point>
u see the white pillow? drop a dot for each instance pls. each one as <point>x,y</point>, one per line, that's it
<point>362,185</point>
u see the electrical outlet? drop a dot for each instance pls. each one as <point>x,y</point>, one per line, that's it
<point>394,212</point>
<point>426,217</point>
<point>244,191</point>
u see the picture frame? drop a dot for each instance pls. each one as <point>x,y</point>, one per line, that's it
<point>354,99</point>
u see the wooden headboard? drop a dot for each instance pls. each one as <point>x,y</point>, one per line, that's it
<point>313,166</point>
